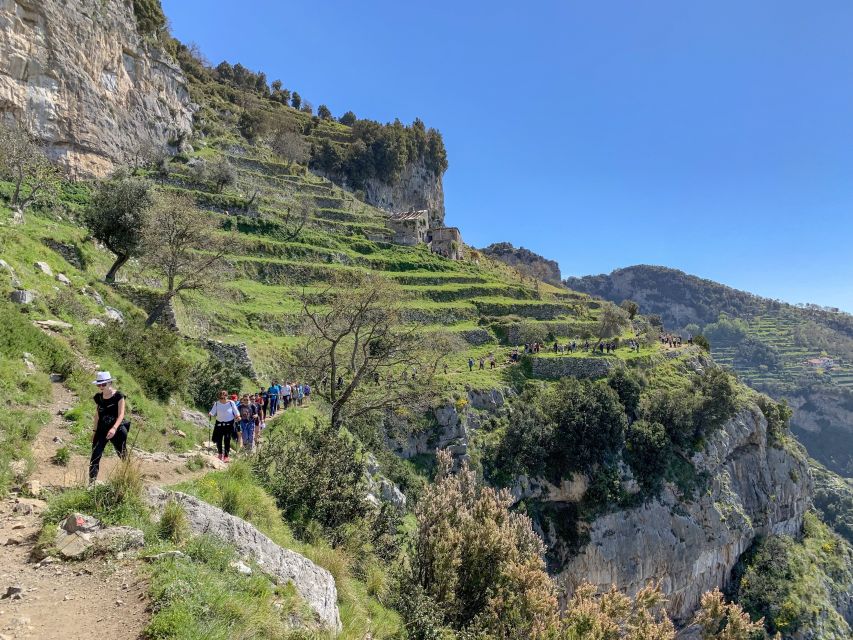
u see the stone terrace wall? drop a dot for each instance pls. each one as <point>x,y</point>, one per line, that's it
<point>561,367</point>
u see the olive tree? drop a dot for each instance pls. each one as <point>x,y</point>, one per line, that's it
<point>25,164</point>
<point>612,320</point>
<point>181,245</point>
<point>117,216</point>
<point>361,353</point>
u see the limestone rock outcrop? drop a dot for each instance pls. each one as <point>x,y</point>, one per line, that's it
<point>416,188</point>
<point>314,584</point>
<point>78,74</point>
<point>754,489</point>
<point>526,261</point>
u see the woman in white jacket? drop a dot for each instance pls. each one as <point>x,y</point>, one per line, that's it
<point>225,412</point>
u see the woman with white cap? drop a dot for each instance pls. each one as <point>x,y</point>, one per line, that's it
<point>109,422</point>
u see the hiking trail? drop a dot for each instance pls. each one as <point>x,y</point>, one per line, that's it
<point>103,597</point>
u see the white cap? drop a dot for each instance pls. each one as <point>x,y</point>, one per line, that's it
<point>103,377</point>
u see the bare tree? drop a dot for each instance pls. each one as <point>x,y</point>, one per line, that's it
<point>147,154</point>
<point>296,214</point>
<point>291,146</point>
<point>360,352</point>
<point>23,161</point>
<point>181,244</point>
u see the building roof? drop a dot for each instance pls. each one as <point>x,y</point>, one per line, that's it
<point>408,215</point>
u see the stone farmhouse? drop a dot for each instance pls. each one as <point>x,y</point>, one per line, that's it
<point>412,228</point>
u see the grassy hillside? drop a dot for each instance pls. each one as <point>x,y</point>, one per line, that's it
<point>802,353</point>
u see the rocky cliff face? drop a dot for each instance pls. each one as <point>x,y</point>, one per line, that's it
<point>80,76</point>
<point>417,188</point>
<point>754,489</point>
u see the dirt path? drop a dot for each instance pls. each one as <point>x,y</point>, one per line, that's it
<point>102,598</point>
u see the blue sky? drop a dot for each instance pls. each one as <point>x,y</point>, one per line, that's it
<point>714,137</point>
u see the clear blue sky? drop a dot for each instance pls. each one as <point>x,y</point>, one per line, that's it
<point>714,137</point>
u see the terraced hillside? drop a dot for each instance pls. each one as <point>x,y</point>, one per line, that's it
<point>801,353</point>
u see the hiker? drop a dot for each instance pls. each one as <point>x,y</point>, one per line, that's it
<point>482,363</point>
<point>300,393</point>
<point>492,363</point>
<point>286,395</point>
<point>248,412</point>
<point>470,364</point>
<point>272,393</point>
<point>261,401</point>
<point>259,422</point>
<point>225,412</point>
<point>307,390</point>
<point>110,425</point>
<point>340,382</point>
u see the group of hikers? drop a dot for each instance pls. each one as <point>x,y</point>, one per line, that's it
<point>241,419</point>
<point>482,360</point>
<point>238,418</point>
<point>673,340</point>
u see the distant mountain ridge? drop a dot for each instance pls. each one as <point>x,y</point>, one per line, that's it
<point>803,353</point>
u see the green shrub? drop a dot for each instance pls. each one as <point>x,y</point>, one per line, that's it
<point>702,342</point>
<point>777,414</point>
<point>589,425</point>
<point>316,474</point>
<point>674,410</point>
<point>174,526</point>
<point>647,451</point>
<point>628,385</point>
<point>150,19</point>
<point>208,378</point>
<point>717,400</point>
<point>153,355</point>
<point>62,457</point>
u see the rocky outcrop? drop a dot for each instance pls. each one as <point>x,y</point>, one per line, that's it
<point>314,584</point>
<point>83,80</point>
<point>235,356</point>
<point>454,424</point>
<point>691,546</point>
<point>529,263</point>
<point>416,188</point>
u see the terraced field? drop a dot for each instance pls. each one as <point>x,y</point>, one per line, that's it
<point>486,304</point>
<point>778,330</point>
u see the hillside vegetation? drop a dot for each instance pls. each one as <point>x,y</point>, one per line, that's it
<point>246,263</point>
<point>801,353</point>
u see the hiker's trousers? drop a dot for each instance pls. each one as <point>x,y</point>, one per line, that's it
<point>99,443</point>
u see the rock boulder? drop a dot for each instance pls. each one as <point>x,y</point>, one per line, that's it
<point>314,584</point>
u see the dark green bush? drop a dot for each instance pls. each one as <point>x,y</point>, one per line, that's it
<point>589,425</point>
<point>315,474</point>
<point>526,444</point>
<point>153,355</point>
<point>628,385</point>
<point>674,410</point>
<point>150,19</point>
<point>647,450</point>
<point>208,378</point>
<point>717,400</point>
<point>702,342</point>
<point>777,414</point>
